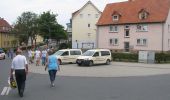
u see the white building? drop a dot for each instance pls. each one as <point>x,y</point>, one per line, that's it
<point>84,26</point>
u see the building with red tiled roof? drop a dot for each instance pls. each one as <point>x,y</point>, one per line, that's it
<point>7,39</point>
<point>135,25</point>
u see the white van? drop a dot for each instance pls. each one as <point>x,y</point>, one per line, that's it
<point>95,56</point>
<point>68,55</point>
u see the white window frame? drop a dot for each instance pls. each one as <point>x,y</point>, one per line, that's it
<point>142,28</point>
<point>113,28</point>
<point>115,17</point>
<point>114,41</point>
<point>141,42</point>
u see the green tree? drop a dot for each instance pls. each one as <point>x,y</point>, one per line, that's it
<point>26,26</point>
<point>49,27</point>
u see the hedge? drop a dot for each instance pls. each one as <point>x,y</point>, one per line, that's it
<point>133,57</point>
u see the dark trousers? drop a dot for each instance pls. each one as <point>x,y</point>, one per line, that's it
<point>20,79</point>
<point>52,74</point>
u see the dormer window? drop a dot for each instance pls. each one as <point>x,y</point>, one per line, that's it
<point>116,16</point>
<point>143,14</point>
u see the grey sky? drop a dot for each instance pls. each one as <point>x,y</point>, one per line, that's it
<point>11,9</point>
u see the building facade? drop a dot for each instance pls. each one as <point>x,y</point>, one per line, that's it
<point>69,30</point>
<point>7,39</point>
<point>84,26</point>
<point>135,25</point>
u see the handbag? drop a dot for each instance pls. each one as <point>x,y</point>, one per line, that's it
<point>12,82</point>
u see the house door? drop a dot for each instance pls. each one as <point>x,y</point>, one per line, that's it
<point>126,46</point>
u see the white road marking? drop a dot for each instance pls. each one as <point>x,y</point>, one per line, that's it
<point>4,91</point>
<point>9,89</point>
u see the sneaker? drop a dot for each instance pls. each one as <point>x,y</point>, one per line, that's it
<point>52,84</point>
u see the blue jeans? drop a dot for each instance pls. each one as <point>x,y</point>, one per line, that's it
<point>43,60</point>
<point>52,74</point>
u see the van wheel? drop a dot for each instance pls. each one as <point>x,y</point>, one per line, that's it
<point>108,62</point>
<point>91,63</point>
<point>79,64</point>
<point>4,57</point>
<point>59,62</point>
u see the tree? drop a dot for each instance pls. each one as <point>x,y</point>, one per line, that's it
<point>49,28</point>
<point>26,26</point>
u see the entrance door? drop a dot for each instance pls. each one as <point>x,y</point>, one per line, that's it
<point>126,46</point>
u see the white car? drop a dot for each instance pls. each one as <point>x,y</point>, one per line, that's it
<point>95,56</point>
<point>68,55</point>
<point>2,54</point>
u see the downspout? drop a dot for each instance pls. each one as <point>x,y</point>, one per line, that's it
<point>97,37</point>
<point>162,37</point>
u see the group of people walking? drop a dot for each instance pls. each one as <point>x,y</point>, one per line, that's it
<point>20,66</point>
<point>37,55</point>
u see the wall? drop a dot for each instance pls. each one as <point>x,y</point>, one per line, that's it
<point>80,27</point>
<point>153,36</point>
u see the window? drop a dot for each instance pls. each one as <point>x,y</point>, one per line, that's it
<point>142,28</point>
<point>75,53</point>
<point>143,15</point>
<point>105,53</point>
<point>115,17</point>
<point>96,54</point>
<point>127,27</point>
<point>97,15</point>
<point>127,33</point>
<point>81,15</point>
<point>65,53</point>
<point>114,29</point>
<point>142,42</point>
<point>89,34</point>
<point>88,25</point>
<point>113,41</point>
<point>89,15</point>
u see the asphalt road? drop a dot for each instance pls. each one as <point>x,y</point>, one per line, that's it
<point>154,87</point>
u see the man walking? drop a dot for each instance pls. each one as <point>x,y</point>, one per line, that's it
<point>20,66</point>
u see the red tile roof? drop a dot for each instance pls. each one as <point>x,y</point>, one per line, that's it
<point>129,11</point>
<point>4,23</point>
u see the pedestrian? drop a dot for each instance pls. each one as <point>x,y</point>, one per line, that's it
<point>20,66</point>
<point>43,56</point>
<point>33,55</point>
<point>37,56</point>
<point>30,56</point>
<point>11,53</point>
<point>53,67</point>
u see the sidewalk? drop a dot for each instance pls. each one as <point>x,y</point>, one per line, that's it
<point>116,69</point>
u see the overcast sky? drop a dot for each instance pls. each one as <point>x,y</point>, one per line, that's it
<point>11,9</point>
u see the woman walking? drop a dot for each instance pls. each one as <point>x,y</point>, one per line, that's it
<point>53,67</point>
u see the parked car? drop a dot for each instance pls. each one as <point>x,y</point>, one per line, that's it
<point>68,55</point>
<point>94,56</point>
<point>2,54</point>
